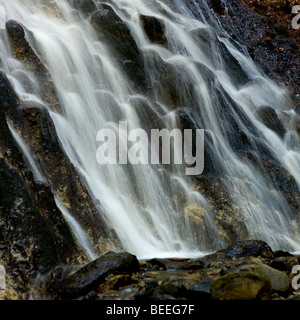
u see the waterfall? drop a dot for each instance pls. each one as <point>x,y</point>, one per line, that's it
<point>194,72</point>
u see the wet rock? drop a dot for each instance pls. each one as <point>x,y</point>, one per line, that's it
<point>21,47</point>
<point>184,289</point>
<point>173,288</point>
<point>34,238</point>
<point>284,263</point>
<point>241,285</point>
<point>85,6</point>
<point>282,179</point>
<point>93,274</point>
<point>220,56</point>
<point>23,51</point>
<point>279,279</point>
<point>201,289</point>
<point>149,289</point>
<point>33,233</point>
<point>274,50</point>
<point>232,66</point>
<point>112,30</point>
<point>269,117</point>
<point>154,29</point>
<point>205,262</point>
<point>248,248</point>
<point>217,5</point>
<point>167,264</point>
<point>116,282</point>
<point>34,124</point>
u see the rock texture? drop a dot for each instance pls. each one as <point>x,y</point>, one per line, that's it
<point>244,271</point>
<point>34,235</point>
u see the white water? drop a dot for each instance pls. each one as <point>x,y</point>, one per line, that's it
<point>152,208</point>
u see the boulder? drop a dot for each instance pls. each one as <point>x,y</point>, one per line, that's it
<point>249,248</point>
<point>284,263</point>
<point>241,285</point>
<point>89,277</point>
<point>279,279</point>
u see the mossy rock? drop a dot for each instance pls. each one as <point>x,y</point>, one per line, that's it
<point>241,285</point>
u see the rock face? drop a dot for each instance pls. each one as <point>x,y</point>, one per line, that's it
<point>34,235</point>
<point>264,27</point>
<point>23,50</point>
<point>269,117</point>
<point>112,29</point>
<point>35,126</point>
<point>154,29</point>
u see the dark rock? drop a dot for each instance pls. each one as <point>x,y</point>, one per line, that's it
<point>281,253</point>
<point>149,289</point>
<point>205,262</point>
<point>157,264</point>
<point>275,53</point>
<point>284,263</point>
<point>23,51</point>
<point>34,124</point>
<point>21,47</point>
<point>85,6</point>
<point>269,117</point>
<point>111,29</point>
<point>217,5</point>
<point>33,233</point>
<point>93,274</point>
<point>201,289</point>
<point>241,285</point>
<point>168,264</point>
<point>250,248</point>
<point>177,288</point>
<point>154,29</point>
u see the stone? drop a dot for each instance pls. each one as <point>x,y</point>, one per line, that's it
<point>279,279</point>
<point>248,248</point>
<point>90,276</point>
<point>154,29</point>
<point>241,285</point>
<point>268,116</point>
<point>86,7</point>
<point>201,289</point>
<point>113,31</point>
<point>284,263</point>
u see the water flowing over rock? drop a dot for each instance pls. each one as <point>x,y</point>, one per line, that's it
<point>70,68</point>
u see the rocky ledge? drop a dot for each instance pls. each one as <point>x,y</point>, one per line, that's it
<point>247,270</point>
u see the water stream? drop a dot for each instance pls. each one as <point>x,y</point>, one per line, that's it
<point>156,210</point>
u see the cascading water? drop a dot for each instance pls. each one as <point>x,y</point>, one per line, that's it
<point>197,71</point>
